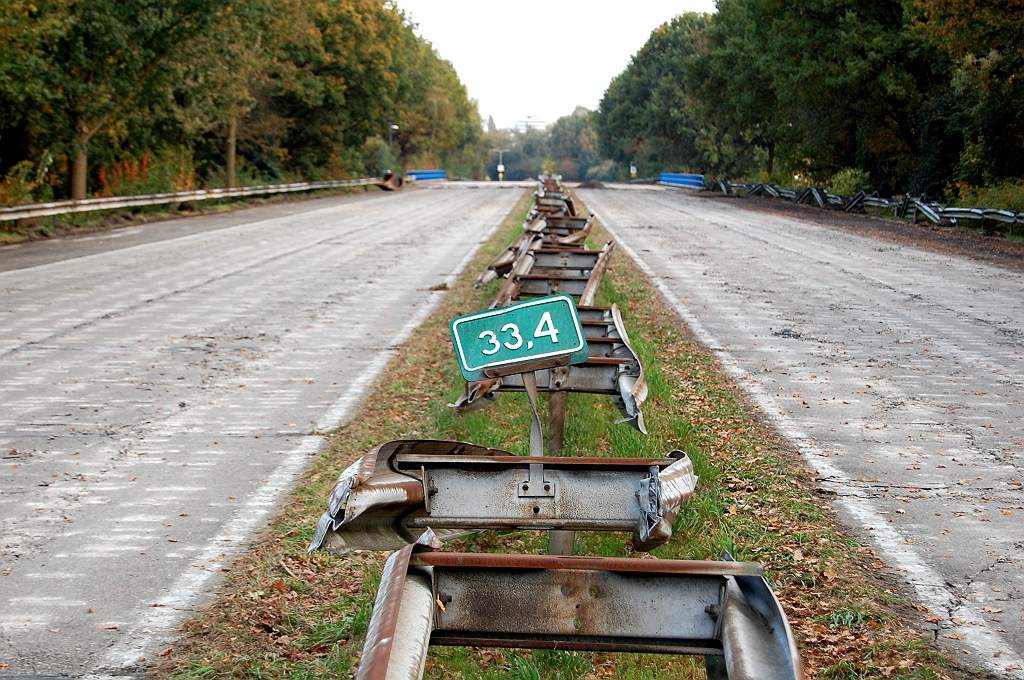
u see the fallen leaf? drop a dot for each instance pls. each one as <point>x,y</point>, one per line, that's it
<point>156,604</point>
<point>108,627</point>
<point>172,540</point>
<point>954,636</point>
<point>921,608</point>
<point>166,652</point>
<point>279,585</point>
<point>992,610</point>
<point>798,555</point>
<point>283,640</point>
<point>829,574</point>
<point>733,510</point>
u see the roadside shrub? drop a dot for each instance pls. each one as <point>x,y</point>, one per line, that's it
<point>17,186</point>
<point>849,181</point>
<point>170,169</point>
<point>1008,195</point>
<point>26,182</point>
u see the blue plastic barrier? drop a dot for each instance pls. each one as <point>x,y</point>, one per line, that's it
<point>425,175</point>
<point>682,180</point>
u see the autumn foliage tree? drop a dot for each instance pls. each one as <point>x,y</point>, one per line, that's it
<point>221,91</point>
<point>917,95</point>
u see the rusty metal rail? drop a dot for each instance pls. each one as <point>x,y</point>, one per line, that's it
<point>31,210</point>
<point>550,258</point>
<point>722,611</point>
<point>413,495</point>
<point>389,497</point>
<point>613,368</point>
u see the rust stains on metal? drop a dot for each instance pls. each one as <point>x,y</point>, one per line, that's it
<point>723,611</point>
<point>385,500</point>
<point>620,564</point>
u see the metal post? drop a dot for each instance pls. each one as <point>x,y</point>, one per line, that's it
<point>391,131</point>
<point>560,541</point>
<point>501,162</point>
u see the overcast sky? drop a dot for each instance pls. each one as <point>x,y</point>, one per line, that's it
<point>500,48</point>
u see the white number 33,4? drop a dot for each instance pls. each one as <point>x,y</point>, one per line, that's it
<point>545,329</point>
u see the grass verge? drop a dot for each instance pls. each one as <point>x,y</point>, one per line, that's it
<point>285,615</point>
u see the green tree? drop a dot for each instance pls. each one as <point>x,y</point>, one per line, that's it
<point>573,144</point>
<point>646,115</point>
<point>983,107</point>
<point>105,63</point>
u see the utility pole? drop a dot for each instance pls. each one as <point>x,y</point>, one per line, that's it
<point>501,163</point>
<point>391,133</point>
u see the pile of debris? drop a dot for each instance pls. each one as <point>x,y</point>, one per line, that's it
<point>413,495</point>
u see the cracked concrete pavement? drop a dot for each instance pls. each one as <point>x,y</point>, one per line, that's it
<point>157,400</point>
<point>897,372</point>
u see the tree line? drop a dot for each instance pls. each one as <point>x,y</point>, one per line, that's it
<point>131,96</point>
<point>918,96</point>
<point>567,147</point>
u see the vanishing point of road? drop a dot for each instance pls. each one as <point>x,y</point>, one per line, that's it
<point>162,386</point>
<point>897,372</point>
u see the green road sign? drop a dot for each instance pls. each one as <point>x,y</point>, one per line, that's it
<point>542,328</point>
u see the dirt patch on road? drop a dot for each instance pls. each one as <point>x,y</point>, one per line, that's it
<point>957,241</point>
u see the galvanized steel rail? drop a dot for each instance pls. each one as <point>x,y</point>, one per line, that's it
<point>33,210</point>
<point>906,207</point>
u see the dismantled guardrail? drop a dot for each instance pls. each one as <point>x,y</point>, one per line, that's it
<point>906,207</point>
<point>723,611</point>
<point>544,334</point>
<point>386,499</point>
<point>389,182</point>
<point>550,258</point>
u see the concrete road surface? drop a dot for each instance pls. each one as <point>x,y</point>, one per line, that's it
<point>157,400</point>
<point>897,372</point>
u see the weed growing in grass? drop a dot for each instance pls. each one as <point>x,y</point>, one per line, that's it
<point>286,615</point>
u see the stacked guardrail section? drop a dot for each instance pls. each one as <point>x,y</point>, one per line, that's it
<point>413,495</point>
<point>906,207</point>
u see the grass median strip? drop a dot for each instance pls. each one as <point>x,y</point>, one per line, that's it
<point>284,614</point>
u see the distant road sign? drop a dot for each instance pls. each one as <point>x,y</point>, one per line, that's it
<point>543,328</point>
